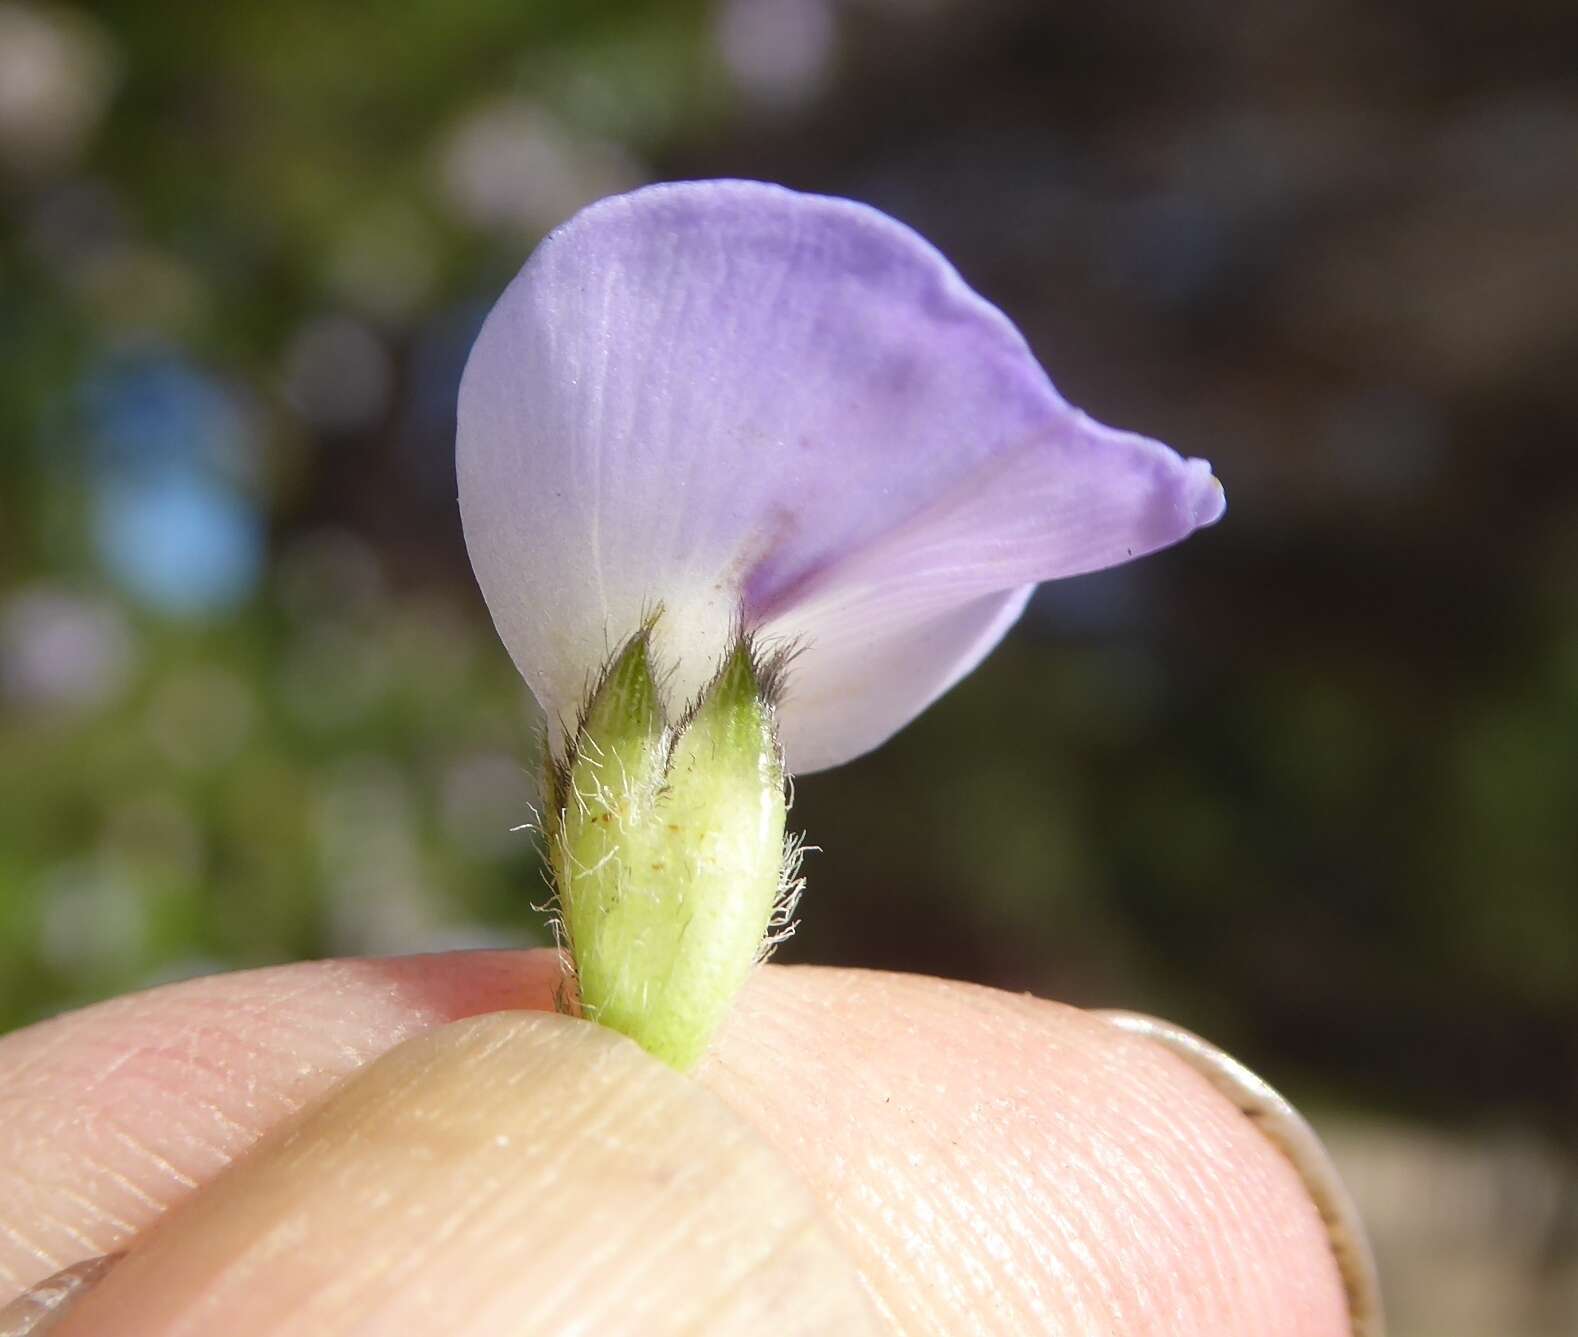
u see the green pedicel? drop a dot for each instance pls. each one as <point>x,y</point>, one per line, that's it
<point>667,850</point>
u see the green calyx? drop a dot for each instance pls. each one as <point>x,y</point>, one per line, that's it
<point>667,849</point>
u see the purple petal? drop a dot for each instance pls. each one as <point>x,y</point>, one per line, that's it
<point>722,396</point>
<point>855,691</point>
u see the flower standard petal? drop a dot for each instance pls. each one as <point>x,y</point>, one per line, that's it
<point>726,398</point>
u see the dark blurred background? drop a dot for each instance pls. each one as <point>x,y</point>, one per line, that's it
<point>1308,784</point>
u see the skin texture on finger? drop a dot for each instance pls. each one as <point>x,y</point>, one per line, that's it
<point>990,1163</point>
<point>1292,1135</point>
<point>513,1173</point>
<point>111,1114</point>
<point>998,1164</point>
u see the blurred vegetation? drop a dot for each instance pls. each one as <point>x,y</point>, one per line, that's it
<point>1308,784</point>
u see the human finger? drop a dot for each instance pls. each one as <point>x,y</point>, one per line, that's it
<point>111,1114</point>
<point>992,1160</point>
<point>515,1173</point>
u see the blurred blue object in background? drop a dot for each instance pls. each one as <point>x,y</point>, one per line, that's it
<point>174,519</point>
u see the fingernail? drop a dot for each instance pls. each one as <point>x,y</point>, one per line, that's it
<point>41,1308</point>
<point>1291,1134</point>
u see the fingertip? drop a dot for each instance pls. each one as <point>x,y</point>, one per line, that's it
<point>994,1154</point>
<point>1292,1135</point>
<point>110,1114</point>
<point>515,1172</point>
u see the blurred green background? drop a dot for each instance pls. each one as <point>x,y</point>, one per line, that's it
<point>1308,784</point>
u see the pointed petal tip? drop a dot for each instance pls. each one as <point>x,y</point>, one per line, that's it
<point>1210,497</point>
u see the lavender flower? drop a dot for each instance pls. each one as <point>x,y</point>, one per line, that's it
<point>756,409</point>
<point>731,399</point>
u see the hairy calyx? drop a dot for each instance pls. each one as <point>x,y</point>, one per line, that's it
<point>666,846</point>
